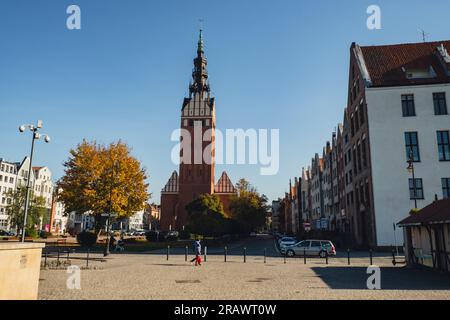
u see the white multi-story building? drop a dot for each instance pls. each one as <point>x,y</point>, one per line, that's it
<point>43,185</point>
<point>136,221</point>
<point>398,104</point>
<point>8,180</point>
<point>14,175</point>
<point>78,222</point>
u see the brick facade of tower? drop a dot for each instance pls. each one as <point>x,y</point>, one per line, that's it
<point>197,162</point>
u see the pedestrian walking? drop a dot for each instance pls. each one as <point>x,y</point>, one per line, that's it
<point>197,247</point>
<point>198,254</point>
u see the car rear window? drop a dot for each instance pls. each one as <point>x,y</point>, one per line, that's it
<point>326,243</point>
<point>315,244</point>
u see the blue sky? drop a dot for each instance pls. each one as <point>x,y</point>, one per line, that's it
<point>272,64</point>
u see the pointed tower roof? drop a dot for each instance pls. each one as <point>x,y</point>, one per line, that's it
<point>172,185</point>
<point>224,185</point>
<point>200,42</point>
<point>199,74</point>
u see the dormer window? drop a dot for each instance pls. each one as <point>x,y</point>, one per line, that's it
<point>420,73</point>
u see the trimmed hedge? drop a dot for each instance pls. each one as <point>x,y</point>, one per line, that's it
<point>87,239</point>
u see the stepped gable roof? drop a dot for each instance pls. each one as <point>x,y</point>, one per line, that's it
<point>224,185</point>
<point>172,185</point>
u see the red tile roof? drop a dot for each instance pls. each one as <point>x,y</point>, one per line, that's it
<point>437,212</point>
<point>384,63</point>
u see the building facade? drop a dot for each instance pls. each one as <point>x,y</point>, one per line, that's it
<point>396,118</point>
<point>276,208</point>
<point>400,110</point>
<point>8,183</point>
<point>317,192</point>
<point>14,175</point>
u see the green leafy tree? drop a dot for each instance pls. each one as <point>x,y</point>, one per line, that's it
<point>248,208</point>
<point>16,209</point>
<point>206,216</point>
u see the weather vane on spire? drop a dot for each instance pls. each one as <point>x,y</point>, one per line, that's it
<point>424,35</point>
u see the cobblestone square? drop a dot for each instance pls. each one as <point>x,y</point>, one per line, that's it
<point>151,276</point>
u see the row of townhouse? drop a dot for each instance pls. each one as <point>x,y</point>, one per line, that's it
<point>285,216</point>
<point>396,119</point>
<point>14,175</point>
<point>145,219</point>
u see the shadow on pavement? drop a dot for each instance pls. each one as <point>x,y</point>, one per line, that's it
<point>392,278</point>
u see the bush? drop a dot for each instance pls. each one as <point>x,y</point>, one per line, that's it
<point>44,234</point>
<point>31,232</point>
<point>185,235</point>
<point>87,239</point>
<point>130,240</point>
<point>153,236</point>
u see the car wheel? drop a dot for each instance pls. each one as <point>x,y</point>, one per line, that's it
<point>322,254</point>
<point>290,253</point>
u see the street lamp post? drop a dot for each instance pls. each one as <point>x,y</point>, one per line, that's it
<point>35,136</point>
<point>411,170</point>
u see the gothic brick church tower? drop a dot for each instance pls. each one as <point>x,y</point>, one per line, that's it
<point>196,177</point>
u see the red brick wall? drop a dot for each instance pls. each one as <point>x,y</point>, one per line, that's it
<point>169,208</point>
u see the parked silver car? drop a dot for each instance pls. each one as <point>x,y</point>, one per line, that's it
<point>287,241</point>
<point>310,248</point>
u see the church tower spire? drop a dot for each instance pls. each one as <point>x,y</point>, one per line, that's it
<point>199,74</point>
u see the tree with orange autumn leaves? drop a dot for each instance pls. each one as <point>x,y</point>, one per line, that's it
<point>99,178</point>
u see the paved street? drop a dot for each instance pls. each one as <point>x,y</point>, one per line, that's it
<point>151,276</point>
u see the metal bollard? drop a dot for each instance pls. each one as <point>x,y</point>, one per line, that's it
<point>205,253</point>
<point>326,256</point>
<point>348,256</point>
<point>304,256</point>
<point>57,261</point>
<point>265,254</point>
<point>393,257</point>
<point>185,253</point>
<point>167,254</point>
<point>371,258</point>
<point>245,255</point>
<point>225,254</point>
<point>87,257</point>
